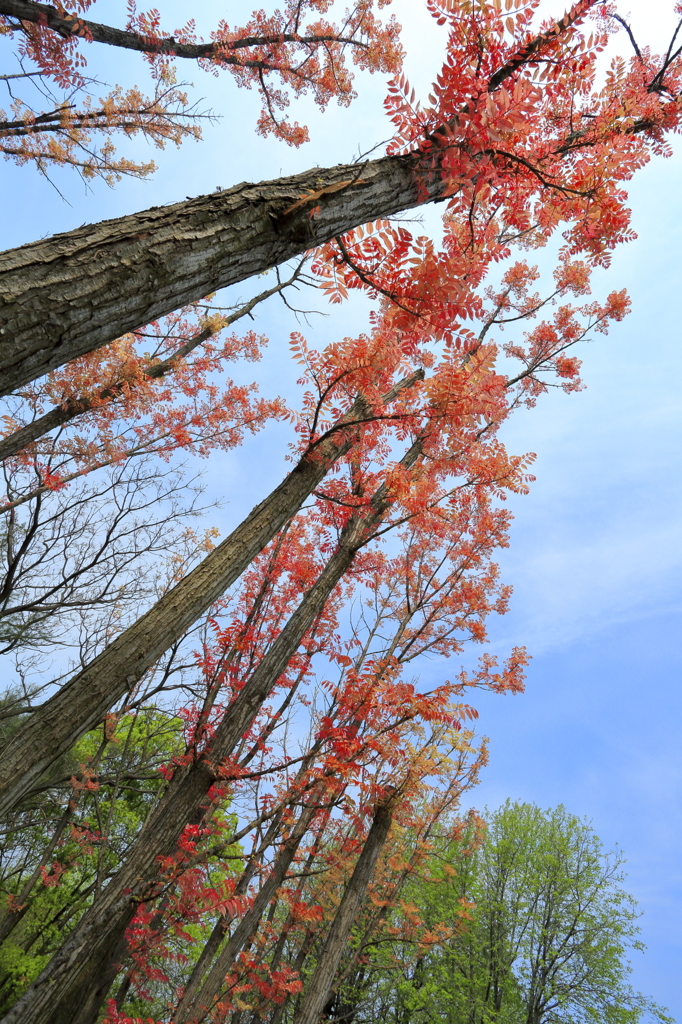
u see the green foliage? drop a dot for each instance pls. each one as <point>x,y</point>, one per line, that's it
<point>544,939</point>
<point>73,834</point>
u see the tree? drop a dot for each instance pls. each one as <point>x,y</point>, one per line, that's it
<point>463,260</point>
<point>64,572</point>
<point>546,933</point>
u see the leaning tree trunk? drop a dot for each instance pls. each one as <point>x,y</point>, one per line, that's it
<point>67,295</point>
<point>197,1006</point>
<point>222,926</point>
<point>82,702</point>
<point>73,976</point>
<point>319,986</point>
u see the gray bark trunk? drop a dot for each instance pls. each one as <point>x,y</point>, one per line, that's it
<point>72,976</point>
<point>67,295</point>
<point>301,957</point>
<point>320,985</point>
<point>82,702</point>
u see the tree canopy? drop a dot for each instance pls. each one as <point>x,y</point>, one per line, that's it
<point>526,923</point>
<point>215,794</point>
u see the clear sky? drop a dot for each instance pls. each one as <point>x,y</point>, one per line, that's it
<point>596,554</point>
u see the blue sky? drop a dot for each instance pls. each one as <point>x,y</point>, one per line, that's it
<point>596,565</point>
<point>595,558</point>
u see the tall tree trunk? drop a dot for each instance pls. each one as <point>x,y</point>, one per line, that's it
<point>320,985</point>
<point>72,978</point>
<point>82,702</point>
<point>67,295</point>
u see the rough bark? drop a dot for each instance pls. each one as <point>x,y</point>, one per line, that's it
<point>82,702</point>
<point>72,978</point>
<point>320,985</point>
<point>67,295</point>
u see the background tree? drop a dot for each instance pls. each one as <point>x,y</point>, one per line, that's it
<point>545,934</point>
<point>56,856</point>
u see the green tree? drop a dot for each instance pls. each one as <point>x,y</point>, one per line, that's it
<point>547,938</point>
<point>73,835</point>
